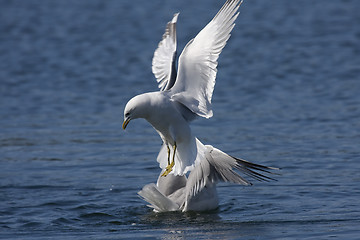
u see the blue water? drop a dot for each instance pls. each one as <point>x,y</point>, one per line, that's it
<point>287,95</point>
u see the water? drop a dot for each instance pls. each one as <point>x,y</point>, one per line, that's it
<point>287,95</point>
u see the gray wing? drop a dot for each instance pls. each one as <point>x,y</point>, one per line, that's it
<point>163,62</point>
<point>157,200</point>
<point>220,166</point>
<point>224,166</point>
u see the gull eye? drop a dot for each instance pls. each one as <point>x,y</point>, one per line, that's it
<point>127,114</point>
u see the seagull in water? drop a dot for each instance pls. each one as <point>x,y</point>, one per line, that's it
<point>183,96</point>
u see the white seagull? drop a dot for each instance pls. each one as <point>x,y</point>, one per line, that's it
<point>183,96</point>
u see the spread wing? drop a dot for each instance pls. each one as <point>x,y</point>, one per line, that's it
<point>163,62</point>
<point>219,166</point>
<point>197,63</point>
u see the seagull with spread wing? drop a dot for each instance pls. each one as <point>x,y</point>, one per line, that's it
<point>183,96</point>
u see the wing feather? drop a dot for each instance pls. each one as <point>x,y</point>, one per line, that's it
<point>163,62</point>
<point>220,167</point>
<point>195,83</point>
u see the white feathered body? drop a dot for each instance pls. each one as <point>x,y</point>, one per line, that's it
<point>167,118</point>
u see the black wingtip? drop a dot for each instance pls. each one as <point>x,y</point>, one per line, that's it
<point>253,169</point>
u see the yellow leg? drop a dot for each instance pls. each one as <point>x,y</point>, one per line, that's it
<point>168,150</point>
<point>170,166</point>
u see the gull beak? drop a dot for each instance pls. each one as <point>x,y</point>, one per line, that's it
<point>125,123</point>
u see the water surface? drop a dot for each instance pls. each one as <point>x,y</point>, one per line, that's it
<point>287,95</point>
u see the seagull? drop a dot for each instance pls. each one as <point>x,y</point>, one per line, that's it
<point>190,169</point>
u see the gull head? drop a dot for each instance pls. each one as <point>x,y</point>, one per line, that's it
<point>137,107</point>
